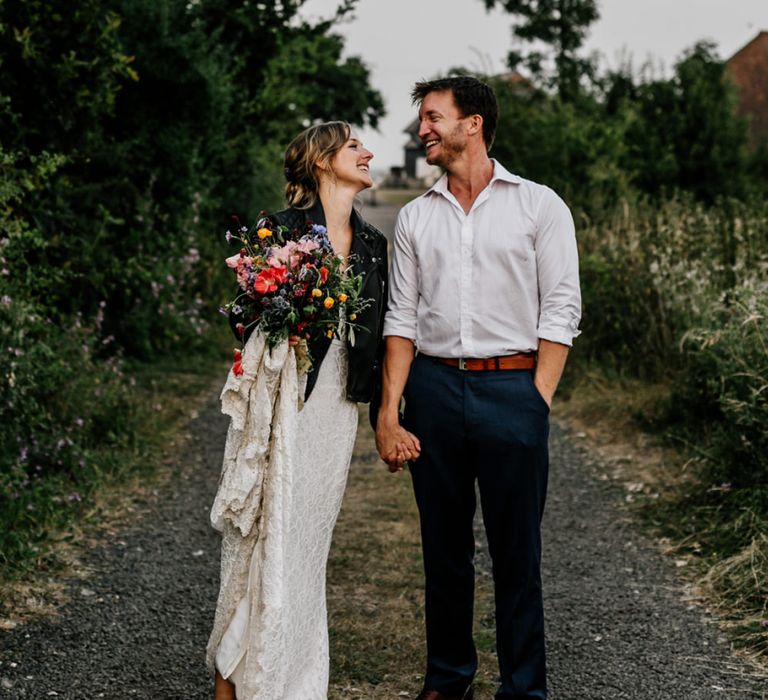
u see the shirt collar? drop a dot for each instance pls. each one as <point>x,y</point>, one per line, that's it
<point>499,173</point>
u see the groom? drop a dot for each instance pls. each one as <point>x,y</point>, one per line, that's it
<point>484,303</point>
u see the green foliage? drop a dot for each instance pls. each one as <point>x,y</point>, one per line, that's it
<point>130,132</point>
<point>561,24</point>
<point>570,146</point>
<point>726,377</point>
<point>653,270</point>
<point>683,132</point>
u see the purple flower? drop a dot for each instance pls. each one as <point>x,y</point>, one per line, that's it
<point>228,235</point>
<point>237,309</point>
<point>223,311</point>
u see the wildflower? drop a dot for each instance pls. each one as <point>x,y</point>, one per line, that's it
<point>268,280</point>
<point>237,366</point>
<point>329,334</point>
<point>316,293</point>
<point>323,274</point>
<point>352,317</point>
<point>343,298</point>
<point>6,300</point>
<point>263,233</point>
<point>240,328</point>
<point>328,303</point>
<point>234,260</point>
<point>307,244</point>
<point>74,497</point>
<point>228,235</point>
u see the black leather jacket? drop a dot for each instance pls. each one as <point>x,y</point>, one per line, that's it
<point>369,255</point>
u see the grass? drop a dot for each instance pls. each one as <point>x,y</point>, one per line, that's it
<point>376,590</point>
<point>716,533</point>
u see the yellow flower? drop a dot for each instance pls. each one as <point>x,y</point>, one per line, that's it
<point>328,303</point>
<point>352,317</point>
<point>343,298</point>
<point>316,293</point>
<point>263,233</point>
<point>329,334</point>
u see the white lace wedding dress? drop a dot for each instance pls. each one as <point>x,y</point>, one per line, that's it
<point>270,634</point>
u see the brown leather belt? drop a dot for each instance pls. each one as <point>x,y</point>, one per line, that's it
<point>519,361</point>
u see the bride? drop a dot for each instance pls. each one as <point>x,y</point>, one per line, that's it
<point>270,640</point>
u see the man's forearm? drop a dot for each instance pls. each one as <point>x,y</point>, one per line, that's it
<point>549,367</point>
<point>397,365</point>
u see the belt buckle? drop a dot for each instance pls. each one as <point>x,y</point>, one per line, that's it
<point>462,364</point>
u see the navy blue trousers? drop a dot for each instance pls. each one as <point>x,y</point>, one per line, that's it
<point>491,428</point>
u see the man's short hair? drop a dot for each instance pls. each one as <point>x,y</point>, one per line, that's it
<point>472,96</point>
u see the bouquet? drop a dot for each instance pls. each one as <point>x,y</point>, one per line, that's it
<point>292,283</point>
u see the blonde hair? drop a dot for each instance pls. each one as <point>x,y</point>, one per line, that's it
<point>313,145</point>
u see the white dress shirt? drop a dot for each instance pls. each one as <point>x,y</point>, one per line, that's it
<point>488,283</point>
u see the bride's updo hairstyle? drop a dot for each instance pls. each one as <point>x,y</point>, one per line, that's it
<point>313,145</point>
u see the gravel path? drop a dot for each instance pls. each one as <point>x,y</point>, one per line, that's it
<point>619,623</point>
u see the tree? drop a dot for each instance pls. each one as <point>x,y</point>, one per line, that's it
<point>169,116</point>
<point>685,133</point>
<point>561,24</point>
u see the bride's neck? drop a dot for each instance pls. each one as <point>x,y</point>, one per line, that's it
<point>337,206</point>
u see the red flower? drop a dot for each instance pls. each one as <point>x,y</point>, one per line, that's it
<point>240,328</point>
<point>280,274</point>
<point>237,367</point>
<point>323,274</point>
<point>269,279</point>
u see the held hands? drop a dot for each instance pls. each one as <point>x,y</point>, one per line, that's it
<point>395,444</point>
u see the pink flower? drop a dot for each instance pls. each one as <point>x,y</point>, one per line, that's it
<point>307,245</point>
<point>233,261</point>
<point>287,255</point>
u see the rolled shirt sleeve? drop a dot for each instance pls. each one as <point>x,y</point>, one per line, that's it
<point>401,318</point>
<point>557,264</point>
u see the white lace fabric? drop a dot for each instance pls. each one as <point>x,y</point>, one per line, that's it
<point>279,497</point>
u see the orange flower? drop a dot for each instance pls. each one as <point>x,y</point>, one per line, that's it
<point>323,274</point>
<point>328,303</point>
<point>263,233</point>
<point>342,298</point>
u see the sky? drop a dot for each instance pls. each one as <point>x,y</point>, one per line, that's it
<point>403,41</point>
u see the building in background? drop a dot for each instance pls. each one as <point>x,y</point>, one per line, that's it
<point>748,69</point>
